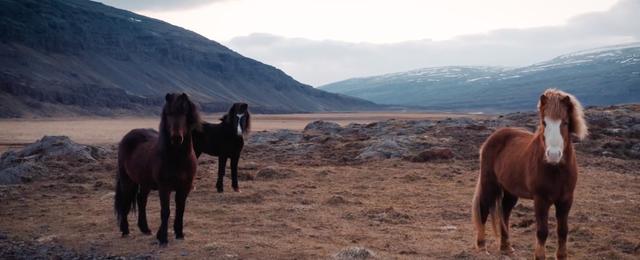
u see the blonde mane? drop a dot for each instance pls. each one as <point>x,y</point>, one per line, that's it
<point>578,124</point>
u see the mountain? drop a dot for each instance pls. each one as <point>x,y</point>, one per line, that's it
<point>603,76</point>
<point>70,57</point>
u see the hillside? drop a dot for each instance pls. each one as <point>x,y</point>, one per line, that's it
<point>69,57</point>
<point>603,76</point>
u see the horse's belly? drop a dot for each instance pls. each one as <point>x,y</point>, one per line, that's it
<point>139,166</point>
<point>511,175</point>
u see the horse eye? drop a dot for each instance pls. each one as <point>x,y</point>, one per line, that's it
<point>544,123</point>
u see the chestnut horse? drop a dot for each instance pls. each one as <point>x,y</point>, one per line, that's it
<point>516,163</point>
<point>225,140</point>
<point>164,161</point>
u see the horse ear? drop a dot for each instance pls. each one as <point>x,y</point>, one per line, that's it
<point>244,106</point>
<point>168,97</point>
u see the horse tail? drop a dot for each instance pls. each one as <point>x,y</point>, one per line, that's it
<point>497,214</point>
<point>487,199</point>
<point>475,208</point>
<point>489,192</point>
<point>126,190</point>
<point>495,210</point>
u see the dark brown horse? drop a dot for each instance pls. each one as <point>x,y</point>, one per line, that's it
<point>225,140</point>
<point>164,161</point>
<point>516,163</point>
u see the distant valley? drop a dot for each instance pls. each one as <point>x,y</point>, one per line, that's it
<point>603,76</point>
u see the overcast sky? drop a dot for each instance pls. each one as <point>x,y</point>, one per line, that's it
<point>318,42</point>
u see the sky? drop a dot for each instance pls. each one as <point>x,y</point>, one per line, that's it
<point>319,42</point>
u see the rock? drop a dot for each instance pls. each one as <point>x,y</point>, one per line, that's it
<point>634,131</point>
<point>323,127</point>
<point>634,151</point>
<point>321,131</point>
<point>20,172</point>
<point>432,154</point>
<point>354,253</point>
<point>271,173</point>
<point>371,155</point>
<point>31,161</point>
<point>383,149</point>
<point>61,148</point>
<point>462,121</point>
<point>277,136</point>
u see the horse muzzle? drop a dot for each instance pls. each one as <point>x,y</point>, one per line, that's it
<point>553,156</point>
<point>177,139</point>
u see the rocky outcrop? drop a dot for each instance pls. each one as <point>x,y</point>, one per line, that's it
<point>615,132</point>
<point>35,159</point>
<point>354,253</point>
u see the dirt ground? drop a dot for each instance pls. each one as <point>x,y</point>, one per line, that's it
<point>396,208</point>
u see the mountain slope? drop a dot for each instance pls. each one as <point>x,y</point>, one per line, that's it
<point>602,76</point>
<point>83,57</point>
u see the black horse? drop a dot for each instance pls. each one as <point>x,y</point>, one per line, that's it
<point>163,161</point>
<point>225,140</point>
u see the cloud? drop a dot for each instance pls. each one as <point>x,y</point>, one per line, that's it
<point>157,5</point>
<point>321,62</point>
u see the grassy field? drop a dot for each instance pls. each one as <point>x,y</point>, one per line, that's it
<point>94,130</point>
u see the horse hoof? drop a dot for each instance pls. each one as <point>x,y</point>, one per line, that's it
<point>180,237</point>
<point>125,234</point>
<point>236,189</point>
<point>146,232</point>
<point>163,244</point>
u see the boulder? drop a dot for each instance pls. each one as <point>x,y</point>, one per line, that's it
<point>23,165</point>
<point>273,137</point>
<point>353,253</point>
<point>382,149</point>
<point>323,127</point>
<point>435,153</point>
<point>59,148</point>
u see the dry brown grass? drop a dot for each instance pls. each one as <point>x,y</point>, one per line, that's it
<point>17,132</point>
<point>396,208</point>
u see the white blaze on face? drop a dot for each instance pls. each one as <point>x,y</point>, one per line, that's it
<point>553,140</point>
<point>239,126</point>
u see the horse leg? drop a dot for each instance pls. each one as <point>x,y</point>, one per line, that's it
<point>143,194</point>
<point>234,173</point>
<point>124,201</point>
<point>165,195</point>
<point>542,216</point>
<point>484,200</point>
<point>562,216</point>
<point>508,202</point>
<point>181,201</point>
<point>222,163</point>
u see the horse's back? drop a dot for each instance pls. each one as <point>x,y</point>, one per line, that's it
<point>134,138</point>
<point>135,153</point>
<point>215,140</point>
